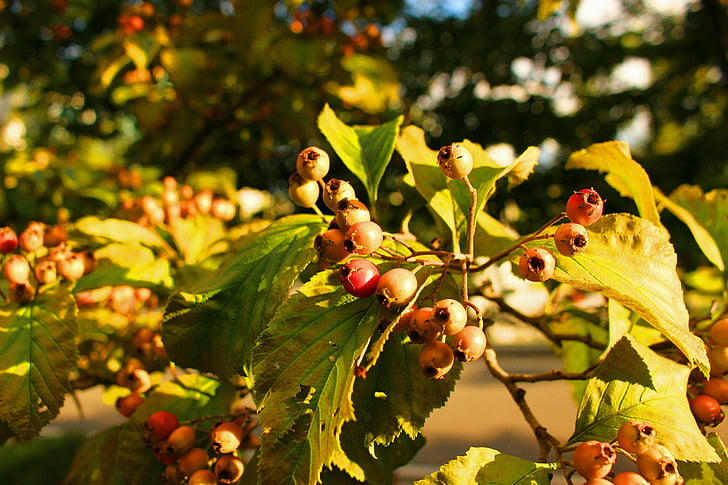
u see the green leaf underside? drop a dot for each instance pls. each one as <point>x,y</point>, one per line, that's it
<point>191,397</point>
<point>365,149</point>
<point>706,215</point>
<point>486,466</point>
<point>623,173</point>
<point>94,462</point>
<point>37,353</point>
<point>304,370</point>
<point>213,325</point>
<point>632,261</point>
<point>635,383</point>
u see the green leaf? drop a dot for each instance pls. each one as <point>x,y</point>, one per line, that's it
<point>624,174</point>
<point>141,49</point>
<point>706,215</point>
<point>632,261</point>
<point>486,466</point>
<point>93,463</point>
<point>37,353</point>
<point>304,369</point>
<point>699,473</point>
<point>635,383</point>
<point>121,231</point>
<point>375,85</point>
<point>19,461</point>
<point>197,238</point>
<point>365,149</point>
<point>213,324</point>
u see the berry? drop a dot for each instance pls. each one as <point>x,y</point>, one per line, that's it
<point>598,481</point>
<point>349,212</point>
<point>359,277</point>
<point>160,424</point>
<point>17,269</point>
<point>584,207</point>
<point>658,466</point>
<point>54,235</point>
<point>312,163</point>
<point>469,344</point>
<point>21,293</point>
<point>706,410</point>
<point>229,469</point>
<point>303,193</point>
<point>193,460</point>
<point>202,477</point>
<point>537,264</point>
<point>203,201</point>
<point>128,404</point>
<point>223,209</point>
<point>405,318</point>
<point>330,245</point>
<point>73,267</point>
<point>396,288</point>
<point>46,272</point>
<point>8,240</point>
<point>571,239</point>
<point>335,190</point>
<point>635,436</point>
<point>594,459</point>
<point>181,440</point>
<point>455,161</point>
<point>171,475</point>
<point>449,316</point>
<point>420,329</point>
<point>436,359</point>
<point>718,357</point>
<point>31,239</point>
<point>136,379</point>
<point>629,478</point>
<point>363,238</point>
<point>226,437</point>
<point>718,332</point>
<point>716,388</point>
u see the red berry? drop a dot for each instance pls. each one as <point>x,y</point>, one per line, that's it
<point>706,410</point>
<point>584,207</point>
<point>718,357</point>
<point>594,459</point>
<point>17,269</point>
<point>396,288</point>
<point>635,436</point>
<point>180,440</point>
<point>128,404</point>
<point>359,277</point>
<point>302,192</point>
<point>537,264</point>
<point>455,161</point>
<point>629,478</point>
<point>161,423</point>
<point>8,240</point>
<point>363,238</point>
<point>469,344</point>
<point>330,245</point>
<point>436,359</point>
<point>571,238</point>
<point>718,332</point>
<point>312,163</point>
<point>193,460</point>
<point>21,293</point>
<point>420,329</point>
<point>717,388</point>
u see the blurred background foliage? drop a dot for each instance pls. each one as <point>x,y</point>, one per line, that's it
<point>100,99</point>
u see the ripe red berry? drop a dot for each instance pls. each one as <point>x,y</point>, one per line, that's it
<point>571,238</point>
<point>303,193</point>
<point>8,240</point>
<point>629,478</point>
<point>126,405</point>
<point>229,469</point>
<point>706,410</point>
<point>469,344</point>
<point>180,440</point>
<point>17,269</point>
<point>537,264</point>
<point>635,436</point>
<point>193,460</point>
<point>359,277</point>
<point>449,316</point>
<point>363,238</point>
<point>717,388</point>
<point>718,332</point>
<point>396,288</point>
<point>226,437</point>
<point>436,359</point>
<point>455,161</point>
<point>330,245</point>
<point>420,329</point>
<point>594,459</point>
<point>584,207</point>
<point>312,163</point>
<point>335,190</point>
<point>658,466</point>
<point>718,357</point>
<point>349,212</point>
<point>160,424</point>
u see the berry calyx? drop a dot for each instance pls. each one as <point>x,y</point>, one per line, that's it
<point>349,212</point>
<point>455,161</point>
<point>21,293</point>
<point>363,238</point>
<point>396,288</point>
<point>469,344</point>
<point>229,469</point>
<point>312,163</point>
<point>594,459</point>
<point>359,277</point>
<point>584,207</point>
<point>537,264</point>
<point>449,316</point>
<point>658,466</point>
<point>436,359</point>
<point>302,192</point>
<point>335,190</point>
<point>226,437</point>
<point>420,329</point>
<point>635,436</point>
<point>571,239</point>
<point>8,240</point>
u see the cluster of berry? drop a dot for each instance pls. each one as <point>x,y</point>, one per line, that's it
<point>594,460</point>
<point>706,396</point>
<point>44,259</point>
<point>176,445</point>
<point>177,202</point>
<point>584,207</point>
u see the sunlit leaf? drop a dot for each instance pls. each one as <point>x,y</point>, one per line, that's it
<point>486,466</point>
<point>365,149</point>
<point>37,353</point>
<point>706,215</point>
<point>121,231</point>
<point>622,172</point>
<point>141,49</point>
<point>703,472</point>
<point>632,261</point>
<point>375,85</point>
<point>546,8</point>
<point>213,324</point>
<point>199,237</point>
<point>635,383</point>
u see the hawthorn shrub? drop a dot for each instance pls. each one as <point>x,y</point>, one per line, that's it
<point>311,348</point>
